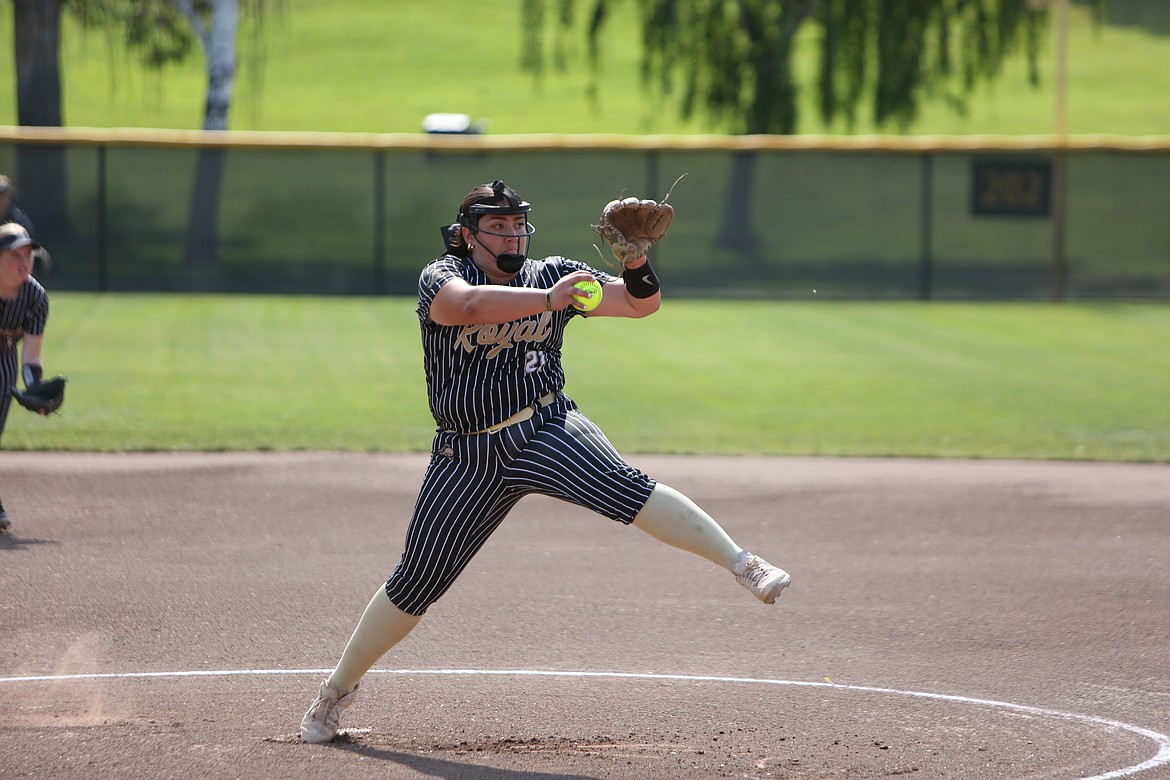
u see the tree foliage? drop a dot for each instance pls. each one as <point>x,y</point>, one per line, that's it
<point>160,32</point>
<point>157,32</point>
<point>154,30</point>
<point>734,61</point>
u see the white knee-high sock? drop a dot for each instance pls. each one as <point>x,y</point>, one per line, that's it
<point>382,626</point>
<point>671,517</point>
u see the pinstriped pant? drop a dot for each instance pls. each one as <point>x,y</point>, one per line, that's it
<point>473,481</point>
<point>5,405</point>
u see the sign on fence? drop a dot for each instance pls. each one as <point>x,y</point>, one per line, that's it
<point>1011,188</point>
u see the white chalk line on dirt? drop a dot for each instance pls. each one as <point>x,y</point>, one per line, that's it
<point>1161,758</point>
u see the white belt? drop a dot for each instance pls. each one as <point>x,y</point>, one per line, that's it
<point>524,414</point>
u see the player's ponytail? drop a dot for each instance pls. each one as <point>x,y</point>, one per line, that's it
<point>453,241</point>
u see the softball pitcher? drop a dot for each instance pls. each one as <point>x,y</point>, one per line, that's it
<point>493,323</point>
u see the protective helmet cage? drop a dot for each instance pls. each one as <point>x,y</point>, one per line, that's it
<point>512,205</point>
<point>474,211</point>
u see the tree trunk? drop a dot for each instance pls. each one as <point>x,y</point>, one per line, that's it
<point>37,30</point>
<point>40,168</point>
<point>772,111</point>
<point>735,228</point>
<point>202,244</point>
<point>219,46</point>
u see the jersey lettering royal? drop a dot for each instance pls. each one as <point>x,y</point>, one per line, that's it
<point>507,335</point>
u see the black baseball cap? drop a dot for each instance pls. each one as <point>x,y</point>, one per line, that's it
<point>14,236</point>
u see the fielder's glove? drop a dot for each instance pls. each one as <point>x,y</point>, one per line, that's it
<point>42,397</point>
<point>631,226</point>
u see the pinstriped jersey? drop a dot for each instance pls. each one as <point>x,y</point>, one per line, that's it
<point>480,375</point>
<point>26,313</point>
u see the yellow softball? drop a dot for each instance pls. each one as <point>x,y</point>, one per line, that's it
<point>591,288</point>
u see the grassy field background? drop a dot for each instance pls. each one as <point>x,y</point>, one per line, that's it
<point>372,66</point>
<point>1060,381</point>
<point>1071,381</point>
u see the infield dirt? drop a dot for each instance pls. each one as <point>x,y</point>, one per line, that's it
<point>947,619</point>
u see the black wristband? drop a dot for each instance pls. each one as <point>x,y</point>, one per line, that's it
<point>641,281</point>
<point>31,373</point>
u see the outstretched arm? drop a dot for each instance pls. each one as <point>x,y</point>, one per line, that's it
<point>460,303</point>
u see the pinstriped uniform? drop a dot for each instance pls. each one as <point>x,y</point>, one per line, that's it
<point>478,376</point>
<point>26,313</point>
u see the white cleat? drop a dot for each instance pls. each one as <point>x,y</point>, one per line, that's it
<point>760,577</point>
<point>321,722</point>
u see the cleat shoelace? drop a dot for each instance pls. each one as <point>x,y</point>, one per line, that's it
<point>753,571</point>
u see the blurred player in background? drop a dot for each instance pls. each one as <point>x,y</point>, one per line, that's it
<point>10,212</point>
<point>24,309</point>
<point>493,322</point>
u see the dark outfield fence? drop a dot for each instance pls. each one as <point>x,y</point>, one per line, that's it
<point>852,217</point>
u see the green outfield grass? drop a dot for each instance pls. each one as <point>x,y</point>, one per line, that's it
<point>1074,381</point>
<point>373,66</point>
<point>1071,381</point>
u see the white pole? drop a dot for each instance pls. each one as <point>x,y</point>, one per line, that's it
<point>1061,127</point>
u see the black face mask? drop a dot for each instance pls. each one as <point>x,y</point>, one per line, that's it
<point>510,262</point>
